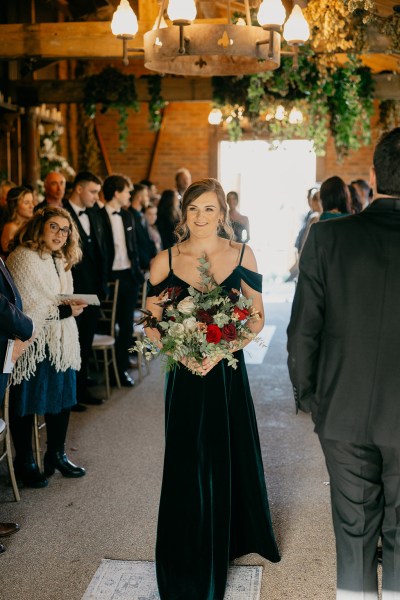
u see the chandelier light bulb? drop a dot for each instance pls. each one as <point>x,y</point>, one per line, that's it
<point>215,116</point>
<point>295,116</point>
<point>296,30</point>
<point>271,13</point>
<point>280,113</point>
<point>182,10</point>
<point>124,22</point>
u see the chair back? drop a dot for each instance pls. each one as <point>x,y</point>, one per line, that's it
<point>142,297</point>
<point>108,309</point>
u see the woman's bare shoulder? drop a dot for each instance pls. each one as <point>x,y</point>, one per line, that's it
<point>159,267</point>
<point>249,260</point>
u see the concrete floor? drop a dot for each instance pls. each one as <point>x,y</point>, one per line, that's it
<point>67,528</point>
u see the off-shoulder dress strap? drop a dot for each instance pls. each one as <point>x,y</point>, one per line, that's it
<point>251,278</point>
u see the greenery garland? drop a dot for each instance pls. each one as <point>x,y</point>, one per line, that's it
<point>156,101</point>
<point>115,90</point>
<point>336,100</point>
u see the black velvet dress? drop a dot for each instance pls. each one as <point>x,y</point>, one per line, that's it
<point>214,504</point>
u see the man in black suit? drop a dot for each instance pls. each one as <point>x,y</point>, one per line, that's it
<point>90,276</point>
<point>123,263</point>
<point>146,247</point>
<point>14,325</point>
<point>344,348</point>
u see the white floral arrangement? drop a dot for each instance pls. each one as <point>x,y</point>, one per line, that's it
<point>211,323</point>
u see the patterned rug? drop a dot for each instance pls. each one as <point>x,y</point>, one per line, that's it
<point>136,580</point>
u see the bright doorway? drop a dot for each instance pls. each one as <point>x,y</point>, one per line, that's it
<point>272,182</point>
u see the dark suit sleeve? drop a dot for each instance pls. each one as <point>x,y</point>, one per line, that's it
<point>306,324</point>
<point>13,322</point>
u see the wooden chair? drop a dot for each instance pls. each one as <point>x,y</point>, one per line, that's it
<point>5,440</point>
<point>138,330</point>
<point>105,342</point>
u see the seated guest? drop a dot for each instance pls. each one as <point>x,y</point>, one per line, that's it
<point>240,223</point>
<point>122,264</point>
<point>15,325</point>
<point>150,212</point>
<point>89,275</point>
<point>183,179</point>
<point>19,211</point>
<point>154,196</point>
<point>364,191</point>
<point>5,186</point>
<point>355,199</point>
<point>168,217</point>
<point>335,199</point>
<point>43,378</point>
<point>146,247</point>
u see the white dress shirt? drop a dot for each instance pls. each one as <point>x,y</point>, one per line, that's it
<point>121,258</point>
<point>83,218</point>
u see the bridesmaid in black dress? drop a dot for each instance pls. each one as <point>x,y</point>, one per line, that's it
<point>214,505</point>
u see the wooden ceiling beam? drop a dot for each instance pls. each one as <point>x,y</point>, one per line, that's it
<point>58,41</point>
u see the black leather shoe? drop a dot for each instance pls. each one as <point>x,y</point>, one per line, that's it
<point>78,407</point>
<point>59,460</point>
<point>2,548</point>
<point>28,473</point>
<point>126,380</point>
<point>7,529</point>
<point>89,399</point>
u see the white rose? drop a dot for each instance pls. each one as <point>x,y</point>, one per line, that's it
<point>190,324</point>
<point>177,330</point>
<point>186,306</point>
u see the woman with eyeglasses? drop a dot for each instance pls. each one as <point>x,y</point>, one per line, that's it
<point>43,378</point>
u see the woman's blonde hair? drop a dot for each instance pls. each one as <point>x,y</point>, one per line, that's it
<point>194,191</point>
<point>30,236</point>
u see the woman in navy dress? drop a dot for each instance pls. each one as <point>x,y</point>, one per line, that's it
<point>214,505</point>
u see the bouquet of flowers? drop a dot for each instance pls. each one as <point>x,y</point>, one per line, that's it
<point>211,323</point>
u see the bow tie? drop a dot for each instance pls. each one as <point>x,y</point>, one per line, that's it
<point>116,212</point>
<point>81,212</point>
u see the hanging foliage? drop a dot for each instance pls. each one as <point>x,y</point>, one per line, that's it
<point>335,100</point>
<point>115,90</point>
<point>389,115</point>
<point>156,101</point>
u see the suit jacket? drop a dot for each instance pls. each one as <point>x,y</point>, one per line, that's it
<point>13,322</point>
<point>146,247</point>
<point>344,332</point>
<point>130,240</point>
<point>90,275</point>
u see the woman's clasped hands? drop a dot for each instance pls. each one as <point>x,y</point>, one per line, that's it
<point>201,368</point>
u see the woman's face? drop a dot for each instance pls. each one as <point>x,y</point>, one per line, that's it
<point>25,206</point>
<point>203,215</point>
<point>151,215</point>
<point>231,201</point>
<point>55,233</point>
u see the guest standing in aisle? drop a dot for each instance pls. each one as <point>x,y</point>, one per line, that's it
<point>89,275</point>
<point>14,325</point>
<point>344,347</point>
<point>44,376</point>
<point>123,264</point>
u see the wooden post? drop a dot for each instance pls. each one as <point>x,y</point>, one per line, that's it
<point>32,173</point>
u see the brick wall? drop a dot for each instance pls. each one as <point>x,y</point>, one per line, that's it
<point>187,140</point>
<point>182,142</point>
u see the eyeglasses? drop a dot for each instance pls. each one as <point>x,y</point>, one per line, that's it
<point>55,228</point>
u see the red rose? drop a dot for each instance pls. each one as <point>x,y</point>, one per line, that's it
<point>214,334</point>
<point>241,313</point>
<point>229,332</point>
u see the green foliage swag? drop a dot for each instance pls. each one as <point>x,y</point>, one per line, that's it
<point>115,90</point>
<point>336,100</point>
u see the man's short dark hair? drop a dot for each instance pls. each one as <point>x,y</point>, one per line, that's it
<point>362,184</point>
<point>114,183</point>
<point>137,187</point>
<point>85,177</point>
<point>387,163</point>
<point>146,182</point>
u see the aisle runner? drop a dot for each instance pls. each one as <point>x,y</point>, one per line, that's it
<point>254,353</point>
<point>136,580</point>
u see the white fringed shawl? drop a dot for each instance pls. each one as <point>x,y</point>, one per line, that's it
<point>39,283</point>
